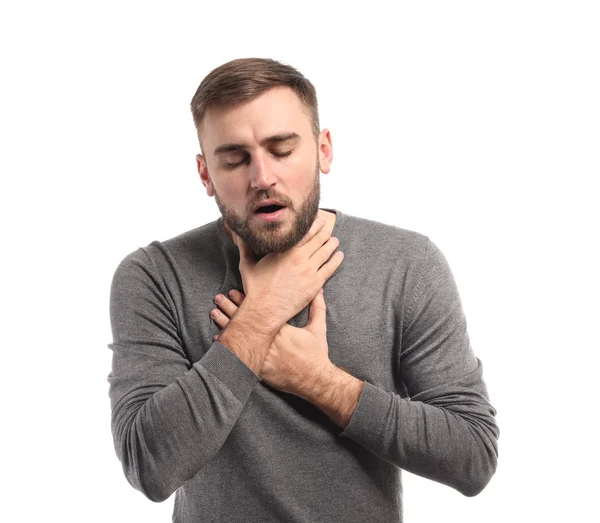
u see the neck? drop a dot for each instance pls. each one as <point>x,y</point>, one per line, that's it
<point>329,216</point>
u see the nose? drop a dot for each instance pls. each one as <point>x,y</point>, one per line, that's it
<point>260,173</point>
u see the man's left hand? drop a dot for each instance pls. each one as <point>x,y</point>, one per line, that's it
<point>298,357</point>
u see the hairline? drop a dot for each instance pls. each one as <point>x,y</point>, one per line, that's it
<point>305,108</point>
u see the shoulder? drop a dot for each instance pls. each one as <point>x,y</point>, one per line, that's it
<point>404,255</point>
<point>184,250</point>
<point>389,241</point>
<point>200,241</point>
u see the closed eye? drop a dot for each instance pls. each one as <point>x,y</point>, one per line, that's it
<point>233,165</point>
<point>281,155</point>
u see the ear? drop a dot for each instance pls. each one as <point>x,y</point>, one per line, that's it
<point>204,176</point>
<point>325,151</point>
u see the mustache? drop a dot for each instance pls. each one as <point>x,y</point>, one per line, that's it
<point>281,199</point>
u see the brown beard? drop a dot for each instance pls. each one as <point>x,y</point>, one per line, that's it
<point>267,239</point>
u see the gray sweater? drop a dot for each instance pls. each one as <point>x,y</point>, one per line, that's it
<point>188,416</point>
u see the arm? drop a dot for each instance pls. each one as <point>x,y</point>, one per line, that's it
<point>336,392</point>
<point>446,431</point>
<point>169,417</point>
<point>249,335</point>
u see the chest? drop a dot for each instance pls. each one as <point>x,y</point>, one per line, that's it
<point>363,324</point>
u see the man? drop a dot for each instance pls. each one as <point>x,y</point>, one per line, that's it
<point>301,394</point>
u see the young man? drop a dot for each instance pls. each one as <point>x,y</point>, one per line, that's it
<point>300,395</point>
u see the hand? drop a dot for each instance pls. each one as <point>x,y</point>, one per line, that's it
<point>280,285</point>
<point>297,355</point>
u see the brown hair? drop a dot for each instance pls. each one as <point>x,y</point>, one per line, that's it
<point>244,79</point>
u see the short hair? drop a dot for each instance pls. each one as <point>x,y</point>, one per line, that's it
<point>245,79</point>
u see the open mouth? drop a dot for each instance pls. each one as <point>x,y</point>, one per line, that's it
<point>268,209</point>
<point>270,213</point>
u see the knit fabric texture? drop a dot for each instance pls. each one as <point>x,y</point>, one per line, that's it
<point>190,418</point>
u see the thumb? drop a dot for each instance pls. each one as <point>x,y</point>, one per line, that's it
<point>317,323</point>
<point>246,255</point>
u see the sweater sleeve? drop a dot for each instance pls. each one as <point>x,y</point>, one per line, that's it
<point>169,417</point>
<point>445,430</point>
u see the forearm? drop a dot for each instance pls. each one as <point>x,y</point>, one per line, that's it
<point>454,447</point>
<point>171,417</point>
<point>451,438</point>
<point>165,428</point>
<point>451,447</point>
<point>335,392</point>
<point>249,335</point>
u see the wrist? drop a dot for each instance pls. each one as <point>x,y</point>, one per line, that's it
<point>248,339</point>
<point>259,317</point>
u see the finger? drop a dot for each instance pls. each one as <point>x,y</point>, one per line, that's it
<point>247,257</point>
<point>317,317</point>
<point>236,296</point>
<point>236,239</point>
<point>226,305</point>
<point>324,252</point>
<point>327,270</point>
<point>219,318</point>
<point>317,241</point>
<point>317,226</point>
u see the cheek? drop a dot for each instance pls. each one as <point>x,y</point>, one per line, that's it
<point>299,171</point>
<point>303,180</point>
<point>234,196</point>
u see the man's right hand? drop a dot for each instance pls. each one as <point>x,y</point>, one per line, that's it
<point>280,285</point>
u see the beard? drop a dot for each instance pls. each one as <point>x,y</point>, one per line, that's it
<point>269,237</point>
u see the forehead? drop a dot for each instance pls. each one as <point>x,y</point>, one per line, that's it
<point>277,111</point>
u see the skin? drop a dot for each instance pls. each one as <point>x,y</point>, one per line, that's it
<point>263,149</point>
<point>298,361</point>
<point>241,178</point>
<point>285,367</point>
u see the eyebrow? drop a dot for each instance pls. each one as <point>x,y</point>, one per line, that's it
<point>276,138</point>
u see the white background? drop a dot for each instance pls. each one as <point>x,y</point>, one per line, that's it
<point>476,123</point>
